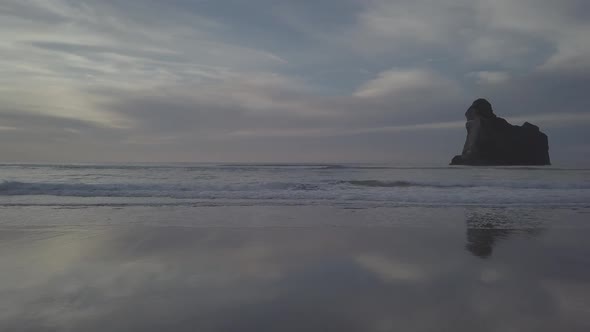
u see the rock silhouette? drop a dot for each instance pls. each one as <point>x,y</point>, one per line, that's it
<point>491,140</point>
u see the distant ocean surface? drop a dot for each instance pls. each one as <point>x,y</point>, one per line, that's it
<point>342,185</point>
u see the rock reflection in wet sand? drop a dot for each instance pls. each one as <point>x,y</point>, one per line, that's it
<point>487,227</point>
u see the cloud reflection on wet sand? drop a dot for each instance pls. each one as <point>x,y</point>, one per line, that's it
<point>144,278</point>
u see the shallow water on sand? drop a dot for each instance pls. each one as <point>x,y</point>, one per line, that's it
<point>294,269</point>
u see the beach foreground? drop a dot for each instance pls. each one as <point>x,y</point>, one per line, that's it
<point>294,269</point>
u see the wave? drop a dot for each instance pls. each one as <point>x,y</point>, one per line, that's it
<point>497,185</point>
<point>16,188</point>
<point>266,189</point>
<point>402,184</point>
<point>358,193</point>
<point>197,190</point>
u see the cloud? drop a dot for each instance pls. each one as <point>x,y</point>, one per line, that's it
<point>490,77</point>
<point>185,74</point>
<point>555,120</point>
<point>397,82</point>
<point>56,51</point>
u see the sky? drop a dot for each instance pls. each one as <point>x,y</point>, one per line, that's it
<point>286,80</point>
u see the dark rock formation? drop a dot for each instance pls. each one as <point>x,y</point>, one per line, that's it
<point>491,140</point>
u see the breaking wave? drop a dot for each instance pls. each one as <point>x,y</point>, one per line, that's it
<point>328,189</point>
<point>16,188</point>
<point>403,184</point>
<point>483,185</point>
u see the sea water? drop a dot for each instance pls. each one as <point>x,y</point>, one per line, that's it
<point>347,185</point>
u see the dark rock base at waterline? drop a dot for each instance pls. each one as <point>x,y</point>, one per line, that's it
<point>492,141</point>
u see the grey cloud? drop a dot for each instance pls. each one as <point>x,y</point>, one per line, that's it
<point>272,76</point>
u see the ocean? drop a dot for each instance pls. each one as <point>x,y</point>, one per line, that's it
<point>341,185</point>
<point>293,247</point>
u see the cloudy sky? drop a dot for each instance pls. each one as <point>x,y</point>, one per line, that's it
<point>286,80</point>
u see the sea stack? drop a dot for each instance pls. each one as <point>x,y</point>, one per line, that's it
<point>493,141</point>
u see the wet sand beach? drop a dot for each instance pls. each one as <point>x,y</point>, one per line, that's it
<point>296,269</point>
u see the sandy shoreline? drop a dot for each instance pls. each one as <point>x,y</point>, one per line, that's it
<point>440,269</point>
